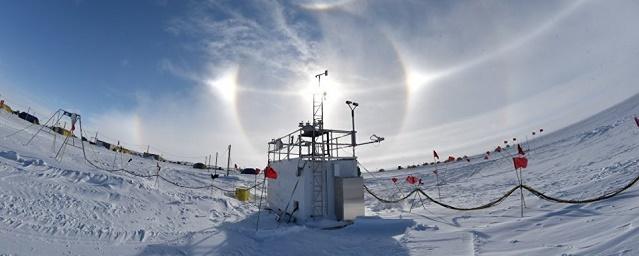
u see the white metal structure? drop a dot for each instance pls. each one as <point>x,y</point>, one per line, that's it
<point>314,181</point>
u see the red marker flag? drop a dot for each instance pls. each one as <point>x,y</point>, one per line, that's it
<point>451,158</point>
<point>411,179</point>
<point>394,180</point>
<point>520,161</point>
<point>435,154</point>
<point>270,173</point>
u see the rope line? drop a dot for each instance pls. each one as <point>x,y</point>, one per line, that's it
<point>84,154</point>
<point>506,195</point>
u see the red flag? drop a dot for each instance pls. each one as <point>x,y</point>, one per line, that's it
<point>520,150</point>
<point>451,158</point>
<point>411,179</point>
<point>270,173</point>
<point>257,171</point>
<point>520,161</point>
<point>637,121</point>
<point>394,180</point>
<point>435,154</point>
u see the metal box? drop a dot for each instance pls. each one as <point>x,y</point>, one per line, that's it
<point>349,197</point>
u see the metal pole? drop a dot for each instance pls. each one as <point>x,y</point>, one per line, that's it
<point>228,162</point>
<point>353,141</point>
<point>215,163</point>
<point>521,191</point>
<point>439,193</point>
<point>259,206</point>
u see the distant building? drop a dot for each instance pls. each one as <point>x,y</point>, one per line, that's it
<point>29,118</point>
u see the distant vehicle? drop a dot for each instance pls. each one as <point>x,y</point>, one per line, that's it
<point>29,118</point>
<point>250,171</point>
<point>199,166</point>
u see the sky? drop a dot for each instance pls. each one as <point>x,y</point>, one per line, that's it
<point>189,78</point>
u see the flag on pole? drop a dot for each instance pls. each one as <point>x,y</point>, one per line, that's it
<point>435,154</point>
<point>270,173</point>
<point>520,161</point>
<point>411,179</point>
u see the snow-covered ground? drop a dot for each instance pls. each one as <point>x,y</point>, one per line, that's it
<point>50,207</point>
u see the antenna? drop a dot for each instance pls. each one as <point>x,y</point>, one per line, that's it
<point>318,104</point>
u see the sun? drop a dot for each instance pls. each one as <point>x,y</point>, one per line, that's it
<point>225,85</point>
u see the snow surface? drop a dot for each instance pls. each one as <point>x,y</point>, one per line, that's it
<point>50,207</point>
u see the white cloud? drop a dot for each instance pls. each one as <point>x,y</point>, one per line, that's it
<point>456,76</point>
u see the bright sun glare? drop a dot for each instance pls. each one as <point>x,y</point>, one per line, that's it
<point>225,85</point>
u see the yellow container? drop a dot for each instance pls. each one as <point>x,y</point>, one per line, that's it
<point>242,193</point>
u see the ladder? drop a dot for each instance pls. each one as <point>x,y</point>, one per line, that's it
<point>318,188</point>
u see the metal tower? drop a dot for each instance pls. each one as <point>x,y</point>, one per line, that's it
<point>318,103</point>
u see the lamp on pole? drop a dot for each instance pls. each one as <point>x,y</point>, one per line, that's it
<point>353,105</point>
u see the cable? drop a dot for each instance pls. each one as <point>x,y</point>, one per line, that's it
<point>500,199</point>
